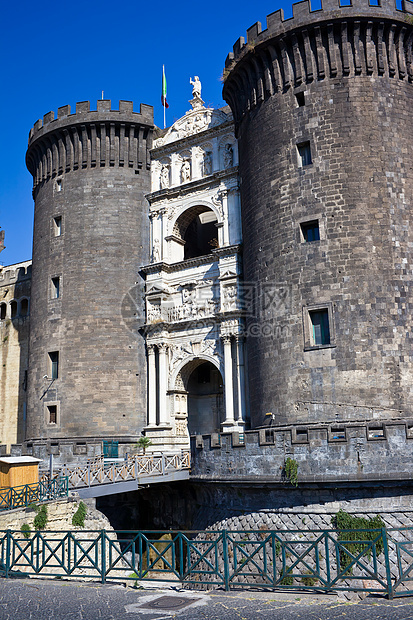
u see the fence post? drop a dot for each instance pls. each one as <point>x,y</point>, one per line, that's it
<point>103,556</point>
<point>181,557</point>
<point>387,561</point>
<point>8,541</point>
<point>225,556</point>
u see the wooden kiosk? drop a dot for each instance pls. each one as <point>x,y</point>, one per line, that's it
<point>18,470</point>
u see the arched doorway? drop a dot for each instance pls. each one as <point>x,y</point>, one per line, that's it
<point>204,388</point>
<point>205,400</point>
<point>197,228</point>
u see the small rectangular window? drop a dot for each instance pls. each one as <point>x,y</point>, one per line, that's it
<point>320,328</point>
<point>300,97</point>
<point>304,153</point>
<point>310,231</point>
<point>54,365</point>
<point>52,414</point>
<point>57,226</point>
<point>55,288</point>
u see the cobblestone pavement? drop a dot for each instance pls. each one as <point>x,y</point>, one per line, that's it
<point>40,599</point>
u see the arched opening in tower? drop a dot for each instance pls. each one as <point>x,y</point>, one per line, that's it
<point>197,227</point>
<point>206,410</point>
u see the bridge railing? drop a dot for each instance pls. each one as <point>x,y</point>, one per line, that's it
<point>374,561</point>
<point>23,495</point>
<point>100,471</point>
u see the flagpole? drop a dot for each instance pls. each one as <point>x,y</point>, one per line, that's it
<point>164,106</point>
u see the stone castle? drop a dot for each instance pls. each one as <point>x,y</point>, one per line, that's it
<point>240,280</point>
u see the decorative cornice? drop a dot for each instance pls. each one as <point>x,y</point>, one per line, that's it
<point>188,188</point>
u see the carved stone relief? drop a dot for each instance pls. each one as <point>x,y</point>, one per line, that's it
<point>164,179</point>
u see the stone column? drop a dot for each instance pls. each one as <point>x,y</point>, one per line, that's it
<point>151,386</point>
<point>240,381</point>
<point>224,197</point>
<point>163,385</point>
<point>229,423</point>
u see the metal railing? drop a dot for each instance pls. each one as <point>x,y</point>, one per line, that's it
<point>17,497</point>
<point>99,472</point>
<point>378,561</point>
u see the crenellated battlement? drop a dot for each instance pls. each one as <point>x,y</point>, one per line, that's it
<point>89,138</point>
<point>365,450</point>
<point>84,114</point>
<point>15,273</point>
<point>336,41</point>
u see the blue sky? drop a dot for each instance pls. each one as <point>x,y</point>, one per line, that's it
<point>57,53</point>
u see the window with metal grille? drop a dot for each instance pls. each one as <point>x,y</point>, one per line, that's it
<point>52,414</point>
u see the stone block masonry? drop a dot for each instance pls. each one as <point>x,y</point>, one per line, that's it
<point>357,452</point>
<point>90,175</point>
<point>15,284</point>
<point>335,85</point>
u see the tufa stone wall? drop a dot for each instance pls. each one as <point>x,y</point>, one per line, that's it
<point>59,516</point>
<point>15,284</point>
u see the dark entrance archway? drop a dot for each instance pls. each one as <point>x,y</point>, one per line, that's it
<point>206,408</point>
<point>197,227</point>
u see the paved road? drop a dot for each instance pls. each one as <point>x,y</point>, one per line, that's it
<point>35,599</point>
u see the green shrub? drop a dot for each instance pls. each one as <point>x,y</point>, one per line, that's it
<point>287,580</point>
<point>291,471</point>
<point>25,530</point>
<point>40,519</point>
<point>309,581</point>
<point>79,516</point>
<point>343,521</point>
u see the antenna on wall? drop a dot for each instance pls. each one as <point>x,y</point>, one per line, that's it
<point>102,95</point>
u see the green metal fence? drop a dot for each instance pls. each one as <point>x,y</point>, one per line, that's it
<point>379,561</point>
<point>17,497</point>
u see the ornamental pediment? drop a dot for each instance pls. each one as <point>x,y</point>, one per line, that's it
<point>193,122</point>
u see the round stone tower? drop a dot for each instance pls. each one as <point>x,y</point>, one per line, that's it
<point>87,358</point>
<point>323,106</point>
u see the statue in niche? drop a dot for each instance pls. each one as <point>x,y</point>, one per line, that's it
<point>156,252</point>
<point>164,177</point>
<point>228,156</point>
<point>207,163</point>
<point>188,301</point>
<point>196,87</point>
<point>185,171</point>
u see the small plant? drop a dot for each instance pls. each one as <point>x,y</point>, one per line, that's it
<point>78,518</point>
<point>287,580</point>
<point>144,442</point>
<point>40,519</point>
<point>291,471</point>
<point>25,530</point>
<point>309,581</point>
<point>344,523</point>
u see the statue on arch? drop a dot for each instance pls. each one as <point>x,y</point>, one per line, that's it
<point>196,101</point>
<point>196,87</point>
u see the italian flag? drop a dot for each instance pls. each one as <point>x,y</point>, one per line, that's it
<point>163,97</point>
